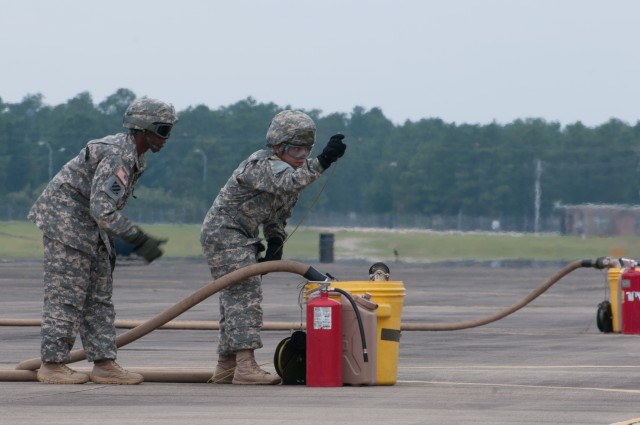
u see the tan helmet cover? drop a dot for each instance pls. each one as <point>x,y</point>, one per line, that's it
<point>291,127</point>
<point>143,113</point>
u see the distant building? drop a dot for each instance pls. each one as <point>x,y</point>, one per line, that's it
<point>590,220</point>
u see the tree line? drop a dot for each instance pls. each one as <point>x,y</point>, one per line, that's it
<point>424,168</point>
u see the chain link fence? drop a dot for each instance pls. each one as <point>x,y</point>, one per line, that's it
<point>458,222</point>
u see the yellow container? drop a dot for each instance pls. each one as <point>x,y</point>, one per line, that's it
<point>389,295</point>
<point>613,275</point>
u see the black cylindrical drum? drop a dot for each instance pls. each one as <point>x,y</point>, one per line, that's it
<point>326,247</point>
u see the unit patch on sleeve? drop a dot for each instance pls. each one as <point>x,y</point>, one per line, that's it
<point>114,188</point>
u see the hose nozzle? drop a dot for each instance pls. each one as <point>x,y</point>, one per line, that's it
<point>601,263</point>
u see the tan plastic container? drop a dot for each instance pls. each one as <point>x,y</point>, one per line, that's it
<point>355,371</point>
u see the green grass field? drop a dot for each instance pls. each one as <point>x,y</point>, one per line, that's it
<point>24,240</point>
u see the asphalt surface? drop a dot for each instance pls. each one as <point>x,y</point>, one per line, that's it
<point>545,364</point>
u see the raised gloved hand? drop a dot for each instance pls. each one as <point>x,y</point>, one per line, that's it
<point>334,150</point>
<point>144,245</point>
<point>274,250</point>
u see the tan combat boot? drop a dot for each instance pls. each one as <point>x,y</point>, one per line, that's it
<point>59,373</point>
<point>225,369</point>
<point>249,373</point>
<point>109,372</point>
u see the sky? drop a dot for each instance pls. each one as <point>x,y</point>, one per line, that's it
<point>463,61</point>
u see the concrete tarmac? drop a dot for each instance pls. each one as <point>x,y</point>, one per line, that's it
<point>545,364</point>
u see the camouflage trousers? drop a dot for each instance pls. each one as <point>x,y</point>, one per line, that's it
<point>240,309</point>
<point>77,299</point>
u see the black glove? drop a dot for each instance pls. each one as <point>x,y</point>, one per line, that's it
<point>334,150</point>
<point>274,250</point>
<point>144,245</point>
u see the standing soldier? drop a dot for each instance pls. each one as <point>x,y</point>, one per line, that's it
<point>79,214</point>
<point>261,191</point>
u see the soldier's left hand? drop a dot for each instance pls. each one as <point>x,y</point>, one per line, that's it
<point>150,249</point>
<point>274,250</point>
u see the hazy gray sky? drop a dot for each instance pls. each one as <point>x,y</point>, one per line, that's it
<point>472,61</point>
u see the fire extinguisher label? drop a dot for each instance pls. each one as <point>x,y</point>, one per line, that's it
<point>322,318</point>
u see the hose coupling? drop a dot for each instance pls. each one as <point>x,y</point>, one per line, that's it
<point>600,263</point>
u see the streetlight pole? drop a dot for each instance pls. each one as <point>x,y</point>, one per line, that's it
<point>43,143</point>
<point>204,165</point>
<point>536,201</point>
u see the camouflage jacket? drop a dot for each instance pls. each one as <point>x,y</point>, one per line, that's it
<point>261,191</point>
<point>82,202</point>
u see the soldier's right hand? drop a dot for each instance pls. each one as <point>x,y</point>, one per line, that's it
<point>148,247</point>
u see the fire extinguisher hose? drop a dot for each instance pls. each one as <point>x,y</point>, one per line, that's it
<point>359,318</point>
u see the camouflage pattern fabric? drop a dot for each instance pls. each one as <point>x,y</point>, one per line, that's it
<point>143,112</point>
<point>293,127</point>
<point>78,288</point>
<point>82,202</point>
<point>79,214</point>
<point>240,303</point>
<point>262,191</point>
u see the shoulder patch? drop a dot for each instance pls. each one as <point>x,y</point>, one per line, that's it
<point>114,188</point>
<point>122,176</point>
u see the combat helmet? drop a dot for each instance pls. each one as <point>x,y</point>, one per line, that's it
<point>293,128</point>
<point>150,114</point>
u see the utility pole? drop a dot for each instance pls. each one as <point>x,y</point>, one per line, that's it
<point>537,192</point>
<point>204,165</point>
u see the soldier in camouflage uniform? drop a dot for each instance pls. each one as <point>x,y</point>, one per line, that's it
<point>79,214</point>
<point>261,191</point>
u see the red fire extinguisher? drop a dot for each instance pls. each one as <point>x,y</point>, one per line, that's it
<point>630,301</point>
<point>324,342</point>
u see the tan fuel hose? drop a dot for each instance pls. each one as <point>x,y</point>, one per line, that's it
<point>453,326</point>
<point>186,325</point>
<point>26,369</point>
<point>197,297</point>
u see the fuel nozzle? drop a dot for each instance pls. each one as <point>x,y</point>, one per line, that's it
<point>628,263</point>
<point>609,263</point>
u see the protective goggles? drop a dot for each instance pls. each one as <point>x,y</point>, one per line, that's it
<point>297,151</point>
<point>161,129</point>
